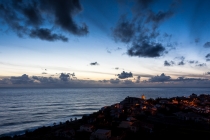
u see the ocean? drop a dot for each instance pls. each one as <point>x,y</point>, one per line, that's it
<point>24,109</point>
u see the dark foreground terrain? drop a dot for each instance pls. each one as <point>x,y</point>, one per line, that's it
<point>134,118</point>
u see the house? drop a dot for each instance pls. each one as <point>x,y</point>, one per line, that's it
<point>135,127</point>
<point>103,108</point>
<point>131,119</point>
<point>193,95</point>
<point>117,106</point>
<point>188,116</point>
<point>175,102</point>
<point>125,124</point>
<point>131,101</point>
<point>67,133</point>
<point>163,101</point>
<point>87,128</point>
<point>91,120</point>
<point>143,97</point>
<point>101,134</point>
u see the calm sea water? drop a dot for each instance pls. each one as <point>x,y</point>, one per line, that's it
<point>26,109</point>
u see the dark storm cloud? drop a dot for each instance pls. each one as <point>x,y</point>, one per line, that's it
<point>38,18</point>
<point>159,16</point>
<point>161,78</point>
<point>64,77</point>
<point>94,63</point>
<point>124,75</point>
<point>145,49</point>
<point>114,81</point>
<point>124,31</point>
<point>46,34</point>
<point>141,33</point>
<point>168,63</point>
<point>144,3</point>
<point>207,45</point>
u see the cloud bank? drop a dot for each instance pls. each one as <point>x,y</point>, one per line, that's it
<point>67,80</point>
<point>43,19</point>
<point>140,32</point>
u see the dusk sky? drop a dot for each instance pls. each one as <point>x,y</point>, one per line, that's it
<point>104,43</point>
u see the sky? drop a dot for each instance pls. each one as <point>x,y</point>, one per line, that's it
<point>97,43</point>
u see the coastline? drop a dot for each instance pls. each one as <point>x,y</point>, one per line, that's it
<point>172,115</point>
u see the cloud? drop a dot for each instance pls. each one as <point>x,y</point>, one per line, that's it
<point>114,81</point>
<point>182,58</point>
<point>124,31</point>
<point>64,77</point>
<point>24,79</point>
<point>104,81</point>
<point>197,40</point>
<point>46,34</point>
<point>181,63</point>
<point>108,51</point>
<point>159,16</point>
<point>207,56</point>
<point>144,3</point>
<point>73,74</point>
<point>128,82</point>
<point>45,80</point>
<point>140,32</point>
<point>201,65</point>
<point>208,73</point>
<point>167,63</point>
<point>44,73</point>
<point>206,45</point>
<point>138,79</point>
<point>118,48</point>
<point>146,49</point>
<point>94,63</point>
<point>183,79</point>
<point>116,68</point>
<point>42,19</point>
<point>124,75</point>
<point>161,78</point>
<point>193,62</point>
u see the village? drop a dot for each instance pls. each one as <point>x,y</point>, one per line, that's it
<point>135,118</point>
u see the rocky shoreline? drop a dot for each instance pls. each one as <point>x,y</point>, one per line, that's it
<point>134,118</point>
